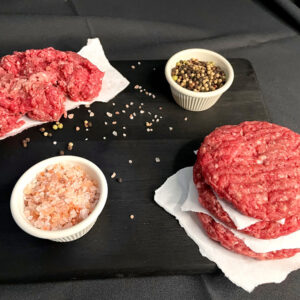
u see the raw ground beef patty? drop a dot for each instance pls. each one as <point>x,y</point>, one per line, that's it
<point>37,82</point>
<point>228,240</point>
<point>260,230</point>
<point>256,167</point>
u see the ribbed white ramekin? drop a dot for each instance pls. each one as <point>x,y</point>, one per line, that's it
<point>65,235</point>
<point>198,101</point>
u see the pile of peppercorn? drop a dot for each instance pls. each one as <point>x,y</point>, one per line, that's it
<point>198,76</point>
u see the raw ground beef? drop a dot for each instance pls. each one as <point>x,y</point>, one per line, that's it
<point>255,166</point>
<point>228,240</point>
<point>37,82</point>
<point>260,230</point>
<point>9,121</point>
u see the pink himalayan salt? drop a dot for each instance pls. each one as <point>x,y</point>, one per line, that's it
<point>59,197</point>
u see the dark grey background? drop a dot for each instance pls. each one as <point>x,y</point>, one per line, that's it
<point>265,33</point>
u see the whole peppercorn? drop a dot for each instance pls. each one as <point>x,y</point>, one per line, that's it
<point>198,76</point>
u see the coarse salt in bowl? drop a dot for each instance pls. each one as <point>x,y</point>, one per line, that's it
<point>198,101</point>
<point>17,204</point>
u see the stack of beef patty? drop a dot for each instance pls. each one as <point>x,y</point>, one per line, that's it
<point>255,166</point>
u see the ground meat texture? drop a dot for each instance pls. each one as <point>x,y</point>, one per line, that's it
<point>260,230</point>
<point>9,121</point>
<point>228,240</point>
<point>85,80</point>
<point>256,167</point>
<point>47,104</point>
<point>37,82</point>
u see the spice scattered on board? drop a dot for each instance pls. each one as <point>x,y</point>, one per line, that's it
<point>198,76</point>
<point>25,142</point>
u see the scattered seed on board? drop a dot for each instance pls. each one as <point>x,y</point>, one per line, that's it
<point>54,142</point>
<point>104,138</point>
<point>113,175</point>
<point>124,135</point>
<point>109,114</point>
<point>185,119</point>
<point>117,112</point>
<point>124,127</point>
<point>123,111</point>
<point>120,180</point>
<point>87,105</point>
<point>131,217</point>
<point>127,106</point>
<point>132,67</point>
<point>86,139</point>
<point>142,111</point>
<point>45,133</point>
<point>24,143</point>
<point>70,146</point>
<point>131,103</point>
<point>55,127</point>
<point>160,108</point>
<point>42,129</point>
<point>105,123</point>
<point>131,117</point>
<point>136,87</point>
<point>113,104</point>
<point>114,122</point>
<point>61,152</point>
<point>170,128</point>
<point>87,129</point>
<point>115,133</point>
<point>92,114</point>
<point>139,63</point>
<point>71,116</point>
<point>77,128</point>
<point>130,161</point>
<point>157,159</point>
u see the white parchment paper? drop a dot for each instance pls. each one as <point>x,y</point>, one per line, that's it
<point>113,82</point>
<point>244,271</point>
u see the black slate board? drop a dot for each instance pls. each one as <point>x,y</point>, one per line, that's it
<point>153,243</point>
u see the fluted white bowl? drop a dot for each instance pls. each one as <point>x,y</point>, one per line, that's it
<point>68,234</point>
<point>198,101</point>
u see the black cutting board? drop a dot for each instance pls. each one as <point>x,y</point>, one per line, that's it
<point>152,243</point>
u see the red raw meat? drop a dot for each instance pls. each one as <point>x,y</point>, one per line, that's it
<point>9,121</point>
<point>37,82</point>
<point>228,240</point>
<point>256,167</point>
<point>260,230</point>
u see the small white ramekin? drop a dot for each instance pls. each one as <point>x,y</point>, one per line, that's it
<point>65,235</point>
<point>198,101</point>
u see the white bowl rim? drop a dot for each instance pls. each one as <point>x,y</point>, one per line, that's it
<point>185,91</point>
<point>45,234</point>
